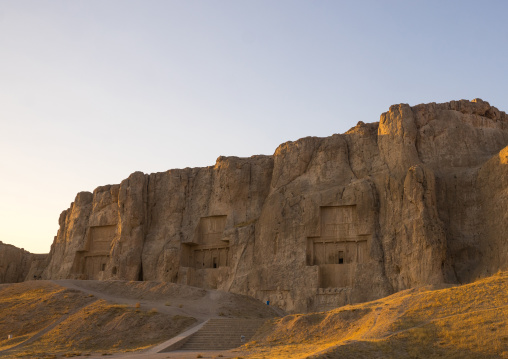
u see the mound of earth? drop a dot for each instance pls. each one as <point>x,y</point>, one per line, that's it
<point>69,318</point>
<point>50,320</point>
<point>175,298</point>
<point>469,321</point>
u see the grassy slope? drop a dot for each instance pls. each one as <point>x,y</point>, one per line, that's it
<point>469,321</point>
<point>455,322</point>
<point>83,323</point>
<point>27,309</point>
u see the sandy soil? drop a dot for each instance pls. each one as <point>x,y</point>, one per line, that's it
<point>446,321</point>
<point>70,317</point>
<point>179,354</point>
<point>175,299</point>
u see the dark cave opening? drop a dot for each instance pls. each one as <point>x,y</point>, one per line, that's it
<point>140,275</point>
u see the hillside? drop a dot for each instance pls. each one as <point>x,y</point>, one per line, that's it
<point>469,321</point>
<point>47,318</point>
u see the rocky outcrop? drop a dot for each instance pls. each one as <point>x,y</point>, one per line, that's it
<point>17,265</point>
<point>419,198</point>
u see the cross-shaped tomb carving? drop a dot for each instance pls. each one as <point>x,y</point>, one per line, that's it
<point>208,249</point>
<point>339,247</point>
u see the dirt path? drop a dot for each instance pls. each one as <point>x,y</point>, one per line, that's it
<point>45,330</point>
<point>175,299</point>
<point>165,298</point>
<point>179,354</point>
<point>201,306</point>
<point>160,305</point>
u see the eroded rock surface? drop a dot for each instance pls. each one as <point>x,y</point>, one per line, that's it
<point>419,198</point>
<point>17,265</point>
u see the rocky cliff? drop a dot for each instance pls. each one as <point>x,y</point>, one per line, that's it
<point>17,265</point>
<point>419,198</point>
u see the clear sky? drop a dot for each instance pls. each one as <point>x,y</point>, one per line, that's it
<point>93,90</point>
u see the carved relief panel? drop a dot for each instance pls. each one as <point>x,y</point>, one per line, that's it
<point>211,229</point>
<point>89,263</point>
<point>338,247</point>
<point>101,238</point>
<point>208,250</point>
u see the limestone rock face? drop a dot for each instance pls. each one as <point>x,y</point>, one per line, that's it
<point>419,198</point>
<point>17,265</point>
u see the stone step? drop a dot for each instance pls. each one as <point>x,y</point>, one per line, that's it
<point>227,331</point>
<point>223,334</point>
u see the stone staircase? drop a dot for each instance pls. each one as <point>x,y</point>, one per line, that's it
<point>222,334</point>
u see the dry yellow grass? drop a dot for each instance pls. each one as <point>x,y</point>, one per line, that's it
<point>76,323</point>
<point>25,310</point>
<point>469,321</point>
<point>109,328</point>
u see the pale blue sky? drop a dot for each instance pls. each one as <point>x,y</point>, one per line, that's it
<point>91,91</point>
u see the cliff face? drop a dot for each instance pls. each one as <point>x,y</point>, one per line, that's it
<point>419,198</point>
<point>17,265</point>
